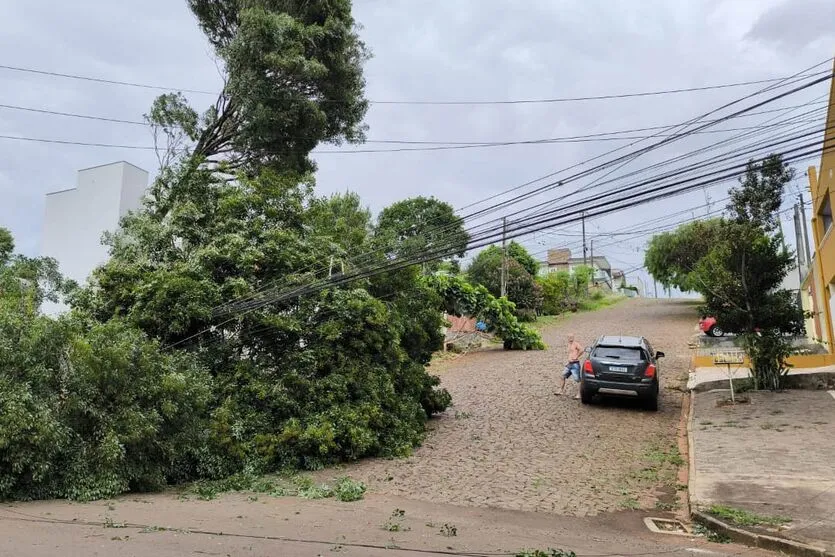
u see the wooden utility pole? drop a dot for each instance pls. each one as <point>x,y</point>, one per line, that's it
<point>504,257</point>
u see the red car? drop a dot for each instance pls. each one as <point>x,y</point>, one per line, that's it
<point>710,328</point>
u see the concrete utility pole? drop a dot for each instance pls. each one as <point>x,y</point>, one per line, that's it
<point>504,257</point>
<point>592,263</point>
<point>655,285</point>
<point>583,218</point>
<point>801,254</point>
<point>805,230</point>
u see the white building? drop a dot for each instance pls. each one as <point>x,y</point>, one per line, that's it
<point>75,219</point>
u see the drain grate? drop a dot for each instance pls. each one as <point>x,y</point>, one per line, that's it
<point>666,526</point>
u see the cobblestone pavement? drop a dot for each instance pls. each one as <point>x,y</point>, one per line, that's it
<point>510,443</point>
<point>774,456</point>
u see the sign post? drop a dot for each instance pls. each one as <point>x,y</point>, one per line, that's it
<point>728,360</point>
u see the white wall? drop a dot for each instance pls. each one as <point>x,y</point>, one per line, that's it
<point>76,219</point>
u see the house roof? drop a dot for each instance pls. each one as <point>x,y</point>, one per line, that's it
<point>600,262</point>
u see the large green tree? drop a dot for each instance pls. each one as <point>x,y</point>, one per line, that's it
<point>522,288</point>
<point>221,259</point>
<point>293,79</point>
<point>418,226</point>
<point>671,257</point>
<point>738,264</point>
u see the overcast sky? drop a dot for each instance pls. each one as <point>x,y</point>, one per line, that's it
<point>423,50</point>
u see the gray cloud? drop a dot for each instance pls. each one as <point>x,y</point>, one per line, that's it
<point>466,49</point>
<point>796,24</point>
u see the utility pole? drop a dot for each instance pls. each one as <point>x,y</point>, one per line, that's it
<point>655,285</point>
<point>592,264</point>
<point>802,264</point>
<point>330,267</point>
<point>805,231</point>
<point>583,218</point>
<point>504,257</point>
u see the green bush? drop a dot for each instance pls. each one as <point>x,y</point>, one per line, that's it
<point>462,298</point>
<point>87,413</point>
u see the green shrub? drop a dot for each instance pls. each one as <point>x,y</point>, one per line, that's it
<point>115,414</point>
<point>348,490</point>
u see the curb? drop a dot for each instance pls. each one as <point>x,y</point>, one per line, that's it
<point>762,541</point>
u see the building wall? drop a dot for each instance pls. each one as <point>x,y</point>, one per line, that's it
<point>75,219</point>
<point>822,186</point>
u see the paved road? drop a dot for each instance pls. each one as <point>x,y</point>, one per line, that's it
<point>236,525</point>
<point>510,443</point>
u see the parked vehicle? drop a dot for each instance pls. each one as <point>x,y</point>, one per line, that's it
<point>621,366</point>
<point>709,327</point>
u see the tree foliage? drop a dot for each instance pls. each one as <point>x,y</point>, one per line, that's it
<point>89,410</point>
<point>418,226</point>
<point>463,298</point>
<point>671,257</point>
<point>738,264</point>
<point>293,78</point>
<point>522,287</point>
<point>563,290</point>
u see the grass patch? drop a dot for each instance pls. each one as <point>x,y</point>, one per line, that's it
<point>584,305</point>
<point>629,503</point>
<point>742,517</point>
<point>711,535</point>
<point>670,456</point>
<point>344,489</point>
<point>594,303</point>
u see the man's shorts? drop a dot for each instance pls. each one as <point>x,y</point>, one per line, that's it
<point>573,370</point>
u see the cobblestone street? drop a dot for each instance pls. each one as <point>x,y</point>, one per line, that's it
<point>510,443</point>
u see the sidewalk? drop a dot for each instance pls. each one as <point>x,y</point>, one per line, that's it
<point>773,456</point>
<point>706,378</point>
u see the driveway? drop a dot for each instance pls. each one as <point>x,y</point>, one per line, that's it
<point>510,443</point>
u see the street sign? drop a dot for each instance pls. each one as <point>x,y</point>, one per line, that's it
<point>729,359</point>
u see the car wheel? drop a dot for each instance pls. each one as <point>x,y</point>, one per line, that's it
<point>585,395</point>
<point>716,331</point>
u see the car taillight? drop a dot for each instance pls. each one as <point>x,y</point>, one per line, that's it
<point>587,367</point>
<point>650,372</point>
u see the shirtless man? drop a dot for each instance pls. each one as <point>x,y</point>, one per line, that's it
<point>575,350</point>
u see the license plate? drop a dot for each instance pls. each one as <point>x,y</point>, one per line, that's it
<point>617,368</point>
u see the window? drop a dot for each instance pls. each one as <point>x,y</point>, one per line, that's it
<point>826,214</point>
<point>618,353</point>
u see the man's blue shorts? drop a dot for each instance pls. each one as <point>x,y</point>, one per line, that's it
<point>573,370</point>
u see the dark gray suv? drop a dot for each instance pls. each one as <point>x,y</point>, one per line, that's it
<point>621,366</point>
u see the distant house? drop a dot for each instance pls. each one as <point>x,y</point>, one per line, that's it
<point>559,259</point>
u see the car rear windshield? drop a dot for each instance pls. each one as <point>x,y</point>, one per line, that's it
<point>618,353</point>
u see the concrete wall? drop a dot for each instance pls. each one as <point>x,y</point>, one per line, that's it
<point>75,219</point>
